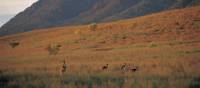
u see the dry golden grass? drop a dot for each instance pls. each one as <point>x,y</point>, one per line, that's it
<point>165,47</point>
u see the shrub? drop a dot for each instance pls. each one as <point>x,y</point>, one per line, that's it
<point>14,44</point>
<point>195,83</point>
<point>93,26</point>
<point>4,80</point>
<point>153,45</point>
<point>177,23</point>
<point>120,36</point>
<point>53,49</point>
<point>196,24</point>
<point>46,80</point>
<point>77,32</point>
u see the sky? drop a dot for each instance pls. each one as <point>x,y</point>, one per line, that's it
<point>9,8</point>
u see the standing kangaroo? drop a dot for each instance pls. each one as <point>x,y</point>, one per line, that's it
<point>105,67</point>
<point>123,67</point>
<point>64,67</point>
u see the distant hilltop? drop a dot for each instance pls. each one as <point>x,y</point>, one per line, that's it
<point>54,13</point>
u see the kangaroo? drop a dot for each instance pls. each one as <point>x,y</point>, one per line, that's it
<point>133,68</point>
<point>105,67</point>
<point>124,67</point>
<point>64,67</point>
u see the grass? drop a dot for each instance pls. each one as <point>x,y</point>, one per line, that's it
<point>153,45</point>
<point>53,49</point>
<point>196,24</point>
<point>119,36</point>
<point>99,80</point>
<point>195,83</point>
<point>195,51</point>
<point>14,44</point>
<point>166,53</point>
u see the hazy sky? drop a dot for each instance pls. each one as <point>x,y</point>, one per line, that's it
<point>9,8</point>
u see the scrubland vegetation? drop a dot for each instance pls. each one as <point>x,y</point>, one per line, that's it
<point>165,48</point>
<point>98,80</point>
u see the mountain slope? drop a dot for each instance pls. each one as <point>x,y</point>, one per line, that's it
<point>180,24</point>
<point>52,13</point>
<point>166,44</point>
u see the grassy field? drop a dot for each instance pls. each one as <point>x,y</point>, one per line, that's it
<point>164,46</point>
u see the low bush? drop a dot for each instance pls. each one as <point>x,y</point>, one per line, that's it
<point>93,26</point>
<point>195,83</point>
<point>53,49</point>
<point>14,44</point>
<point>45,80</point>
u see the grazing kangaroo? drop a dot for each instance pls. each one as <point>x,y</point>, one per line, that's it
<point>133,68</point>
<point>64,67</point>
<point>105,67</point>
<point>127,68</point>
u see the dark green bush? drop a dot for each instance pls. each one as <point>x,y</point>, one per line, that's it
<point>195,83</point>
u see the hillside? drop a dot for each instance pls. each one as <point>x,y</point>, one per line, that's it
<point>165,47</point>
<point>52,13</point>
